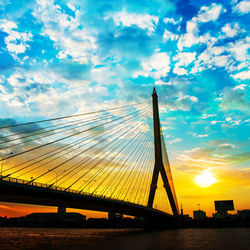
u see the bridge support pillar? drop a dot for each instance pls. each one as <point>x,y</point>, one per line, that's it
<point>61,210</point>
<point>159,166</point>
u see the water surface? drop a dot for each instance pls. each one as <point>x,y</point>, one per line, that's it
<point>124,239</point>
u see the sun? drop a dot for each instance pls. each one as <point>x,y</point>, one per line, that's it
<point>205,179</point>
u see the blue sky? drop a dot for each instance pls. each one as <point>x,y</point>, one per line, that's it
<point>65,57</point>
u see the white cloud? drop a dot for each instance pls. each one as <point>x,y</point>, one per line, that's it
<point>242,7</point>
<point>183,59</point>
<point>227,145</point>
<point>184,102</point>
<point>239,66</point>
<point>213,56</point>
<point>234,122</point>
<point>169,36</point>
<point>39,92</point>
<point>101,75</point>
<point>143,21</point>
<point>228,56</point>
<point>160,82</point>
<point>180,71</point>
<point>157,66</point>
<point>68,36</point>
<point>16,42</point>
<point>175,141</point>
<point>239,49</point>
<point>209,13</point>
<point>172,20</point>
<point>71,6</point>
<point>205,116</point>
<point>199,135</point>
<point>29,88</point>
<point>231,30</point>
<point>243,75</point>
<point>241,86</point>
<point>191,37</point>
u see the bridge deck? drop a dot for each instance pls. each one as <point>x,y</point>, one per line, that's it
<point>22,191</point>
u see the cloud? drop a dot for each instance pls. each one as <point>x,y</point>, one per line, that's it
<point>37,91</point>
<point>235,99</point>
<point>241,86</point>
<point>69,37</point>
<point>215,153</point>
<point>160,82</point>
<point>169,36</point>
<point>183,59</point>
<point>192,36</point>
<point>231,30</point>
<point>242,7</point>
<point>208,13</point>
<point>227,146</point>
<point>143,21</point>
<point>180,71</point>
<point>172,20</point>
<point>27,129</point>
<point>243,75</point>
<point>205,116</point>
<point>182,102</point>
<point>199,135</point>
<point>16,42</point>
<point>231,56</point>
<point>175,140</point>
<point>157,66</point>
<point>239,49</point>
<point>215,56</point>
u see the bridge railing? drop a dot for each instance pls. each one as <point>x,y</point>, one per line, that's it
<point>38,184</point>
<point>42,185</point>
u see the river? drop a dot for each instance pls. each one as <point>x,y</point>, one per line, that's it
<point>124,239</point>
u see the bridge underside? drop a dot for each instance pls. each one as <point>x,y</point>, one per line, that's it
<point>26,194</point>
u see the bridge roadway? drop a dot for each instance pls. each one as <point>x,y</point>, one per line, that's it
<point>22,191</point>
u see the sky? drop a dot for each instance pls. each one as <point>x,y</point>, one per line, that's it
<point>67,57</point>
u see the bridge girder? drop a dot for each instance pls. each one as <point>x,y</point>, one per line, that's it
<point>27,194</point>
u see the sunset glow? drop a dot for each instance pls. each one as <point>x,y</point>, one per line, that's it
<point>205,179</point>
<point>62,58</point>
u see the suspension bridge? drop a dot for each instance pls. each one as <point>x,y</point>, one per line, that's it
<point>112,160</point>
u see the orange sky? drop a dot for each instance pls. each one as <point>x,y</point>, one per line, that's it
<point>231,184</point>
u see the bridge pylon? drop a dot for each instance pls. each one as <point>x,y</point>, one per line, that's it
<point>159,164</point>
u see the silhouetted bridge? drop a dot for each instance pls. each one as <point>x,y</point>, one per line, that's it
<point>109,161</point>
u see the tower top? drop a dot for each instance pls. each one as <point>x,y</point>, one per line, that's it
<point>154,92</point>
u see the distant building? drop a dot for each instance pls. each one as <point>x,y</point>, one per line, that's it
<point>55,219</point>
<point>244,214</point>
<point>184,216</point>
<point>199,214</point>
<point>113,216</point>
<point>218,215</point>
<point>222,207</point>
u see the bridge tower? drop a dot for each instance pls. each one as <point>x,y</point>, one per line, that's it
<point>159,167</point>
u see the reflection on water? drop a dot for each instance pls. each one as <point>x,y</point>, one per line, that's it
<point>124,239</point>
